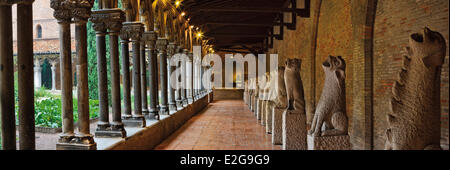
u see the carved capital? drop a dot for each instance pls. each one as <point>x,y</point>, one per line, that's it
<point>133,30</point>
<point>171,49</point>
<point>161,44</point>
<point>107,19</point>
<point>67,9</point>
<point>149,36</point>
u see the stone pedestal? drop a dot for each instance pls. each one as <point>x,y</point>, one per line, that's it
<point>329,142</point>
<point>277,125</point>
<point>112,131</point>
<point>76,143</point>
<point>134,121</point>
<point>268,112</point>
<point>294,131</point>
<point>262,111</point>
<point>258,109</point>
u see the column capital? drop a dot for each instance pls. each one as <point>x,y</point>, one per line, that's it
<point>67,9</point>
<point>133,30</point>
<point>161,44</point>
<point>110,19</point>
<point>150,37</point>
<point>171,47</point>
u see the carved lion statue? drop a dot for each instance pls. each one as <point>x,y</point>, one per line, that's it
<point>415,110</point>
<point>331,110</point>
<point>294,86</point>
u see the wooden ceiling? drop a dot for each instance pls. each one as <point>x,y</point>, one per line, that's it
<point>244,26</point>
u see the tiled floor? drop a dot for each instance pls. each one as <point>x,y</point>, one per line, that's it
<point>224,125</point>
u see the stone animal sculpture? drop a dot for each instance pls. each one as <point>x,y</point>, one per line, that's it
<point>294,117</point>
<point>331,110</point>
<point>294,85</point>
<point>414,118</point>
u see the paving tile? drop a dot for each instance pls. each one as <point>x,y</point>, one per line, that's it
<point>224,125</point>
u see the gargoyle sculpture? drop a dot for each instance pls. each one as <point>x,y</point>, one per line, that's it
<point>415,110</point>
<point>331,110</point>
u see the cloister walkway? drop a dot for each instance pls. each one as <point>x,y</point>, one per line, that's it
<point>223,125</point>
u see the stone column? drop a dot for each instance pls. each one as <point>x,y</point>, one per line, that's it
<point>64,19</point>
<point>114,26</point>
<point>110,19</point>
<point>153,79</point>
<point>124,41</point>
<point>80,11</point>
<point>161,45</point>
<point>7,78</point>
<point>179,78</point>
<point>135,31</point>
<point>53,68</point>
<point>143,78</point>
<point>170,52</point>
<point>25,79</point>
<point>99,23</point>
<point>190,77</point>
<point>37,74</point>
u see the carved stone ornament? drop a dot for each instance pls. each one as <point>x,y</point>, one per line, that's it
<point>67,9</point>
<point>133,30</point>
<point>294,86</point>
<point>281,96</point>
<point>330,111</point>
<point>294,117</point>
<point>415,110</point>
<point>161,44</point>
<point>171,49</point>
<point>107,19</point>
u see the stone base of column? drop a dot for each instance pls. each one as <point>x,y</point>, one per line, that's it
<point>173,107</point>
<point>163,110</point>
<point>112,131</point>
<point>268,113</point>
<point>341,142</point>
<point>294,131</point>
<point>179,104</point>
<point>153,115</point>
<point>262,113</point>
<point>277,125</point>
<point>145,111</point>
<point>134,121</point>
<point>76,143</point>
<point>185,102</point>
<point>190,100</point>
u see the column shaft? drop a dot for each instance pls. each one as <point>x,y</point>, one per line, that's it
<point>143,79</point>
<point>115,81</point>
<point>66,79</point>
<point>103,122</point>
<point>162,45</point>
<point>153,68</point>
<point>82,78</point>
<point>126,77</point>
<point>172,68</point>
<point>7,79</point>
<point>25,63</point>
<point>137,79</point>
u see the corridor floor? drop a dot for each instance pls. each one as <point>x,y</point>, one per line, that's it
<point>223,125</point>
